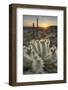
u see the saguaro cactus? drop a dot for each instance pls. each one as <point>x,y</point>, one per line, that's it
<point>33,31</point>
<point>37,28</point>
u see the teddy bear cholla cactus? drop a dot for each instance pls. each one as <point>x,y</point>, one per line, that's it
<point>39,57</point>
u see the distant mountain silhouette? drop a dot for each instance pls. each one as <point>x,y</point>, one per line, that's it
<point>41,28</point>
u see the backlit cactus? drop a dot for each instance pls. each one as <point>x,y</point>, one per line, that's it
<point>39,57</point>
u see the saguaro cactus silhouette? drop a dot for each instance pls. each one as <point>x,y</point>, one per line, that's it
<point>33,31</point>
<point>37,28</point>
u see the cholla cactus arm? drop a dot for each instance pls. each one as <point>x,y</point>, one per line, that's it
<point>43,57</point>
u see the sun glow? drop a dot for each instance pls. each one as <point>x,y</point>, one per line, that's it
<point>45,26</point>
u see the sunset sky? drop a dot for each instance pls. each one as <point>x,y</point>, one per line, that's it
<point>43,21</point>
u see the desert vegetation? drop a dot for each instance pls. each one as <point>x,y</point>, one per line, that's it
<point>39,50</point>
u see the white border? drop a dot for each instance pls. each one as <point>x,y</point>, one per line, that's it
<point>43,77</point>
